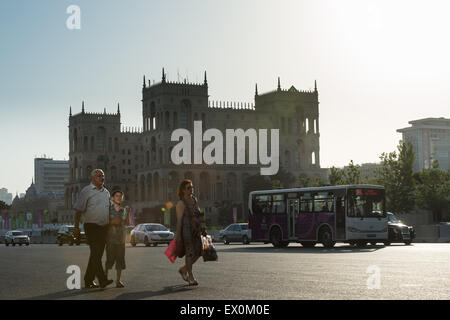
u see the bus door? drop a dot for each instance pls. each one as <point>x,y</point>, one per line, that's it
<point>292,216</point>
<point>340,217</point>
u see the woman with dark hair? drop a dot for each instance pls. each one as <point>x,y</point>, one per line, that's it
<point>190,228</point>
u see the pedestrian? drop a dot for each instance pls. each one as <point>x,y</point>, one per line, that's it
<point>190,228</point>
<point>115,239</point>
<point>93,205</point>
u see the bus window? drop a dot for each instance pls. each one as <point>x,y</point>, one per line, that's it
<point>366,203</point>
<point>323,202</point>
<point>278,204</point>
<point>262,204</point>
<point>305,202</point>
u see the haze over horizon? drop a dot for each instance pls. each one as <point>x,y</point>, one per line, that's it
<point>378,65</point>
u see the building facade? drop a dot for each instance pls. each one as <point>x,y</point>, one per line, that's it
<point>50,176</point>
<point>139,161</point>
<point>430,138</point>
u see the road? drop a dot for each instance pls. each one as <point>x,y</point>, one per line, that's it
<point>254,271</point>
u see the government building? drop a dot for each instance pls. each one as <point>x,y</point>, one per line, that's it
<point>138,161</point>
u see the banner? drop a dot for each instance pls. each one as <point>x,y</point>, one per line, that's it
<point>29,220</point>
<point>46,217</point>
<point>21,220</point>
<point>40,219</point>
<point>132,216</point>
<point>167,218</point>
<point>6,218</point>
<point>234,215</point>
<point>13,221</point>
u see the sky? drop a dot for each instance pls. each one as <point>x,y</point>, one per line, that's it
<point>378,64</point>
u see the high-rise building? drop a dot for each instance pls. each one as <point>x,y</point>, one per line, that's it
<point>5,196</point>
<point>50,176</point>
<point>430,138</point>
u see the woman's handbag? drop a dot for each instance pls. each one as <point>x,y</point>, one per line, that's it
<point>209,252</point>
<point>170,252</point>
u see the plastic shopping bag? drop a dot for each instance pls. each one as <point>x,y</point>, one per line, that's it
<point>209,251</point>
<point>170,251</point>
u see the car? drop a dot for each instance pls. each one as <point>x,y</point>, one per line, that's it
<point>65,235</point>
<point>398,231</point>
<point>235,232</point>
<point>16,237</point>
<point>151,234</point>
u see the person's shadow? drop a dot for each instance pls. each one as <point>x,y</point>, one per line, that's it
<point>148,294</point>
<point>67,294</point>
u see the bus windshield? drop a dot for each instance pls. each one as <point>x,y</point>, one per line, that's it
<point>366,203</point>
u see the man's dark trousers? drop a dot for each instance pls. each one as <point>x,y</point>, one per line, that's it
<point>96,237</point>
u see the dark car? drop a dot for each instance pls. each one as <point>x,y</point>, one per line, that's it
<point>65,235</point>
<point>398,231</point>
<point>235,232</point>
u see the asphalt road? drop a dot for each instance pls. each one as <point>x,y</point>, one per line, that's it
<point>255,271</point>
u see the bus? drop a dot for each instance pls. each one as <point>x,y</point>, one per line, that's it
<point>353,214</point>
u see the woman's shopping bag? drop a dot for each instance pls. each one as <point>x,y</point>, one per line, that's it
<point>171,251</point>
<point>209,251</point>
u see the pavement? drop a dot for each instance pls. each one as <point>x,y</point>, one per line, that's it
<point>254,271</point>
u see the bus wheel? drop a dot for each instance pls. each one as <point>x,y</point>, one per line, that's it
<point>309,244</point>
<point>326,237</point>
<point>275,237</point>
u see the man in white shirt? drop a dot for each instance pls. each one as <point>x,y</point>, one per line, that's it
<point>93,204</point>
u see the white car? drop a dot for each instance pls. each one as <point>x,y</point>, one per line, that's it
<point>151,234</point>
<point>16,237</point>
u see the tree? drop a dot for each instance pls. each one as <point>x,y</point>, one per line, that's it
<point>304,181</point>
<point>351,174</point>
<point>396,175</point>
<point>318,182</point>
<point>336,176</point>
<point>433,191</point>
<point>283,179</point>
<point>4,206</point>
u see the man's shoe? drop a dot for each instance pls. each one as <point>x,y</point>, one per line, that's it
<point>106,283</point>
<point>91,285</point>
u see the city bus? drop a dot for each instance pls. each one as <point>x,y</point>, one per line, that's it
<point>353,214</point>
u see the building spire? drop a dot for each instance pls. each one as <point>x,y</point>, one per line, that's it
<point>163,76</point>
<point>70,111</point>
<point>256,89</point>
<point>279,86</point>
<point>205,82</point>
<point>143,84</point>
<point>104,110</point>
<point>118,108</point>
<point>315,85</point>
<point>82,106</point>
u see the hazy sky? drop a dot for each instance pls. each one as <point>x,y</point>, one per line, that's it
<point>378,65</point>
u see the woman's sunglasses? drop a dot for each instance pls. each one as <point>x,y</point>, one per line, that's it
<point>189,187</point>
